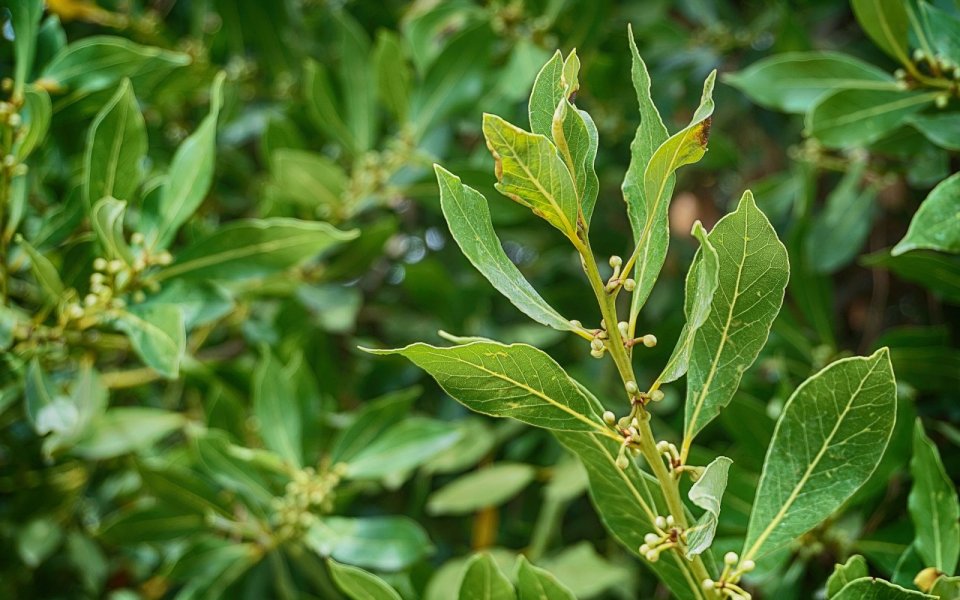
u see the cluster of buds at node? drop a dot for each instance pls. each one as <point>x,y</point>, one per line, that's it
<point>598,345</point>
<point>727,586</point>
<point>616,280</point>
<point>308,494</point>
<point>629,429</point>
<point>937,63</point>
<point>664,537</point>
<point>670,452</point>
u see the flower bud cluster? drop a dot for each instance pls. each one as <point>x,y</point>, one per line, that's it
<point>727,586</point>
<point>307,495</point>
<point>664,537</point>
<point>616,280</point>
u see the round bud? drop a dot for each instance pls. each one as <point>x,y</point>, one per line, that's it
<point>644,549</point>
<point>609,418</point>
<point>603,324</point>
<point>918,55</point>
<point>119,303</point>
<point>629,284</point>
<point>651,538</point>
<point>730,558</point>
<point>660,522</point>
<point>596,344</point>
<point>137,238</point>
<point>653,556</point>
<point>899,73</point>
<point>707,584</point>
<point>615,261</point>
<point>624,328</point>
<point>114,266</point>
<point>139,264</point>
<point>623,462</point>
<point>100,264</point>
<point>663,446</point>
<point>90,300</point>
<point>165,258</point>
<point>596,353</point>
<point>14,120</point>
<point>139,296</point>
<point>656,395</point>
<point>649,340</point>
<point>941,101</point>
<point>669,520</point>
<point>631,387</point>
<point>9,160</point>
<point>96,287</point>
<point>576,323</point>
<point>75,311</point>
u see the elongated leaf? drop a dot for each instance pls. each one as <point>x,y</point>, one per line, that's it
<point>36,113</point>
<point>211,565</point>
<point>934,507</point>
<point>77,412</point>
<point>946,588</point>
<point>795,81</point>
<point>702,282</point>
<point>157,335</point>
<point>322,105</point>
<point>150,524</point>
<point>517,381</point>
<point>707,493</point>
<point>393,74</point>
<point>829,439</point>
<point>753,274</point>
<point>358,584</point>
<point>871,588</point>
<point>943,129</point>
<point>25,20</point>
<point>189,177</point>
<point>530,172</point>
<point>490,486</point>
<point>308,179</point>
<point>855,117</point>
<point>382,543</point>
<point>886,22</point>
<point>854,568</point>
<point>106,217</point>
<point>484,581</point>
<point>184,488</point>
<point>42,402</point>
<point>44,271</point>
<point>468,217</point>
<point>254,248</point>
<point>403,446</point>
<point>534,583</point>
<point>116,147</point>
<point>548,90</point>
<point>127,429</point>
<point>653,234</point>
<point>357,80</point>
<point>277,410</point>
<point>936,225</point>
<point>839,231</point>
<point>938,272</point>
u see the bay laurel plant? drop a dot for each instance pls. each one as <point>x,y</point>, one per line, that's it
<point>830,435</point>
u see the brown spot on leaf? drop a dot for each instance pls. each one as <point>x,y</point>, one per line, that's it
<point>703,133</point>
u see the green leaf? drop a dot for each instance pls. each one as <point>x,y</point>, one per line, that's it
<point>587,573</point>
<point>358,584</point>
<point>829,439</point>
<point>840,230</point>
<point>944,30</point>
<point>382,543</point>
<point>886,22</point>
<point>322,106</point>
<point>357,80</point>
<point>46,408</point>
<point>116,148</point>
<point>128,429</point>
<point>35,112</point>
<point>25,17</point>
<point>99,62</point>
<point>403,446</point>
<point>254,248</point>
<point>468,217</point>
<point>150,523</point>
<point>157,335</point>
<point>184,488</point>
<point>871,588</point>
<point>707,493</point>
<point>499,380</point>
<point>702,282</point>
<point>941,129</point>
<point>217,457</point>
<point>200,302</point>
<point>189,176</point>
<point>649,211</point>
<point>854,568</point>
<point>106,217</point>
<point>484,581</point>
<point>308,179</point>
<point>530,172</point>
<point>546,94</point>
<point>936,225</point>
<point>371,421</point>
<point>276,408</point>
<point>85,404</point>
<point>37,541</point>
<point>211,565</point>
<point>489,486</point>
<point>938,272</point>
<point>753,275</point>
<point>393,74</point>
<point>946,588</point>
<point>43,270</point>
<point>535,583</point>
<point>934,507</point>
<point>795,81</point>
<point>850,118</point>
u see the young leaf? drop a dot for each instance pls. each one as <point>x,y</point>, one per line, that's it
<point>127,429</point>
<point>36,113</point>
<point>25,16</point>
<point>44,271</point>
<point>886,22</point>
<point>403,446</point>
<point>393,74</point>
<point>357,80</point>
<point>535,583</point>
<point>468,217</point>
<point>706,493</point>
<point>484,581</point>
<point>254,248</point>
<point>358,584</point>
<point>946,588</point>
<point>116,147</point>
<point>854,568</point>
<point>499,380</point>
<point>490,486</point>
<point>934,507</point>
<point>702,281</point>
<point>844,223</point>
<point>150,523</point>
<point>106,217</point>
<point>322,106</point>
<point>752,277</point>
<point>936,224</point>
<point>829,439</point>
<point>530,172</point>
<point>276,409</point>
<point>943,29</point>
<point>382,543</point>
<point>795,81</point>
<point>871,588</point>
<point>849,118</point>
<point>547,92</point>
<point>189,177</point>
<point>157,335</point>
<point>651,211</point>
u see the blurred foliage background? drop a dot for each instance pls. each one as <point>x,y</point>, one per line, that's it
<point>336,111</point>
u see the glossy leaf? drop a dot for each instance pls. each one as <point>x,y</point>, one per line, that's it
<point>489,486</point>
<point>382,543</point>
<point>886,22</point>
<point>44,405</point>
<point>358,584</point>
<point>795,81</point>
<point>322,105</point>
<point>871,588</point>
<point>43,270</point>
<point>25,18</point>
<point>829,439</point>
<point>530,172</point>
<point>936,225</point>
<point>484,581</point>
<point>254,248</point>
<point>468,217</point>
<point>106,217</point>
<point>753,274</point>
<point>652,230</point>
<point>838,233</point>
<point>403,446</point>
<point>393,74</point>
<point>276,408</point>
<point>701,285</point>
<point>933,505</point>
<point>943,29</point>
<point>211,565</point>
<point>516,381</point>
<point>157,335</point>
<point>357,80</point>
<point>707,492</point>
<point>534,583</point>
<point>946,588</point>
<point>854,568</point>
<point>850,118</point>
<point>308,179</point>
<point>938,272</point>
<point>116,148</point>
<point>372,421</point>
<point>148,523</point>
<point>128,429</point>
<point>36,113</point>
<point>546,94</point>
<point>941,129</point>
